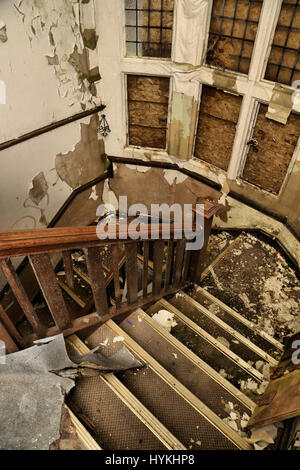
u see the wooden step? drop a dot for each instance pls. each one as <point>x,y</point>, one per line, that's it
<point>118,390</point>
<point>189,419</point>
<point>209,386</point>
<point>207,347</point>
<point>214,325</point>
<point>245,327</point>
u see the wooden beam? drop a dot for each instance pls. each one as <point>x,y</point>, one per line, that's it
<point>46,278</point>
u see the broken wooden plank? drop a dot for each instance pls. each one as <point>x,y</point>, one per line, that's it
<point>115,271</point>
<point>145,266</point>
<point>180,249</point>
<point>4,318</point>
<point>42,267</point>
<point>10,345</point>
<point>21,296</point>
<point>96,275</point>
<point>68,268</point>
<point>170,256</point>
<point>131,272</point>
<point>158,258</point>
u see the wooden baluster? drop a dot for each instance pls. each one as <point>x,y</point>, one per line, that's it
<point>8,324</point>
<point>131,272</point>
<point>186,265</point>
<point>115,270</point>
<point>21,296</point>
<point>145,267</point>
<point>180,248</point>
<point>170,255</point>
<point>45,275</point>
<point>67,259</point>
<point>96,275</point>
<point>10,345</point>
<point>158,258</point>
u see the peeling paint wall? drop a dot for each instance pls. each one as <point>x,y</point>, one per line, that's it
<point>49,64</point>
<point>156,185</point>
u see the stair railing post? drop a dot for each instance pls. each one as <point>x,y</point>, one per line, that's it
<point>197,257</point>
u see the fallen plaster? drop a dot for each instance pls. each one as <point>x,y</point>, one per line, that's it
<point>57,28</point>
<point>165,319</point>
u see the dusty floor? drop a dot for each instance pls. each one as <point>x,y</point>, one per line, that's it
<point>255,279</point>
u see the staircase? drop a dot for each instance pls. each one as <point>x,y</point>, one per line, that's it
<point>204,366</point>
<point>178,399</point>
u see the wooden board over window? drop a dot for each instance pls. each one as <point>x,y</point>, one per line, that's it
<point>233,29</point>
<point>148,101</point>
<point>284,64</point>
<point>268,160</point>
<point>219,114</point>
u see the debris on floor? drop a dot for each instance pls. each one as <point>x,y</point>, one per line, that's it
<point>263,436</point>
<point>34,383</point>
<point>165,319</point>
<point>256,280</point>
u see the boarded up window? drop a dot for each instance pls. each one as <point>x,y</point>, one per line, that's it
<point>219,114</point>
<point>232,35</point>
<point>148,100</point>
<point>284,65</point>
<point>149,25</point>
<point>270,155</point>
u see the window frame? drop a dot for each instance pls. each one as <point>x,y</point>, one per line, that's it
<point>253,87</point>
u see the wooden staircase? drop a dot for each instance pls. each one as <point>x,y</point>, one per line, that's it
<point>189,392</point>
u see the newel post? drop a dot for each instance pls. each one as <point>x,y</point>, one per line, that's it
<point>197,257</point>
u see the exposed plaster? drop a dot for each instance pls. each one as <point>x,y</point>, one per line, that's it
<point>109,196</point>
<point>94,194</point>
<point>281,104</point>
<point>141,169</point>
<point>225,81</point>
<point>183,119</point>
<point>83,163</point>
<point>3,32</point>
<point>39,188</point>
<point>173,175</point>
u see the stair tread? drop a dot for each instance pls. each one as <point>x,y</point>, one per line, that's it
<point>183,394</point>
<point>206,347</point>
<point>215,326</point>
<point>238,322</point>
<point>119,391</point>
<point>114,425</point>
<point>162,348</point>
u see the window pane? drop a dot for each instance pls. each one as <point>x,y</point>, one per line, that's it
<point>149,25</point>
<point>284,65</point>
<point>233,29</point>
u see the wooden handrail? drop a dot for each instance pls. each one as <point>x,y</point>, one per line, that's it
<point>168,246</point>
<point>27,242</point>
